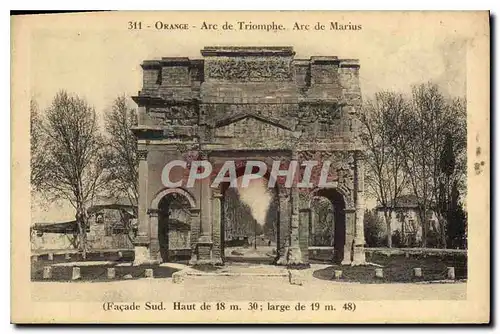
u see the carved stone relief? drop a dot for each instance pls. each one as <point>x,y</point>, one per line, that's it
<point>243,69</point>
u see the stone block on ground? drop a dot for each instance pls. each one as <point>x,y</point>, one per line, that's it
<point>75,273</point>
<point>379,273</point>
<point>47,272</point>
<point>337,274</point>
<point>111,273</point>
<point>67,256</point>
<point>417,272</point>
<point>178,277</point>
<point>50,257</point>
<point>148,273</point>
<point>296,277</point>
<point>451,273</point>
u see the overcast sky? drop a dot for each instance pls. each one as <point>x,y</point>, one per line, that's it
<point>100,65</point>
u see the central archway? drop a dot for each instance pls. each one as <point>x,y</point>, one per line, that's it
<point>250,221</point>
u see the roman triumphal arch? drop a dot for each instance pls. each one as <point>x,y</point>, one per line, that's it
<point>250,103</point>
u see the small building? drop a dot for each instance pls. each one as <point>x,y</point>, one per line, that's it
<point>406,221</point>
<point>112,225</point>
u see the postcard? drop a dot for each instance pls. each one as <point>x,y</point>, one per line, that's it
<point>250,167</point>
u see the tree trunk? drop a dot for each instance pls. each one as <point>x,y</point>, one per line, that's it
<point>83,239</point>
<point>82,221</point>
<point>442,228</point>
<point>425,227</point>
<point>387,217</point>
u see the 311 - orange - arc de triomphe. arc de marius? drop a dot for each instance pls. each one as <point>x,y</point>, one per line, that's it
<point>251,103</point>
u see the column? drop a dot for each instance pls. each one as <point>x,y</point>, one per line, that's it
<point>294,254</point>
<point>154,243</point>
<point>204,247</point>
<point>312,226</point>
<point>350,216</point>
<point>304,224</point>
<point>359,238</point>
<point>284,225</point>
<point>195,233</point>
<point>216,226</point>
<point>142,240</point>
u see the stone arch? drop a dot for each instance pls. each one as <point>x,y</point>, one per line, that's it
<point>337,197</point>
<point>314,192</point>
<point>159,247</point>
<point>221,200</point>
<point>166,191</point>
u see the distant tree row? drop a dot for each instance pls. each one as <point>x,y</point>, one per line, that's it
<point>418,145</point>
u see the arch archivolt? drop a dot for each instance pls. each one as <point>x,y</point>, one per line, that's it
<point>306,198</point>
<point>166,191</point>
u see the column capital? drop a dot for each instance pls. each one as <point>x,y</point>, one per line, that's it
<point>153,212</point>
<point>284,192</point>
<point>194,211</point>
<point>141,240</point>
<point>202,154</point>
<point>142,154</point>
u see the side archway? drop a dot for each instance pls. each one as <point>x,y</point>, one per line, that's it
<point>171,218</point>
<point>336,217</point>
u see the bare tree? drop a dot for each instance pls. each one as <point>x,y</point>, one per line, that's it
<point>71,167</point>
<point>421,137</point>
<point>386,178</point>
<point>121,157</point>
<point>37,150</point>
<point>452,170</point>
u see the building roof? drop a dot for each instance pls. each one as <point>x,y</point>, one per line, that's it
<point>116,203</point>
<point>100,203</point>
<point>69,227</point>
<point>404,202</point>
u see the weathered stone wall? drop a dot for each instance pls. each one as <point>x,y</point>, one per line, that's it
<point>243,99</point>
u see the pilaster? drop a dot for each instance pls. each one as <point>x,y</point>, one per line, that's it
<point>284,225</point>
<point>204,247</point>
<point>217,225</point>
<point>154,243</point>
<point>294,254</point>
<point>142,240</point>
<point>359,239</point>
<point>350,216</point>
